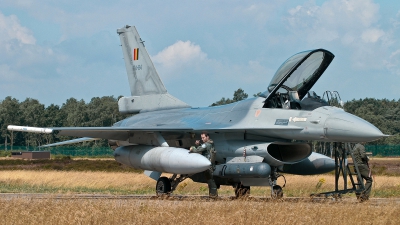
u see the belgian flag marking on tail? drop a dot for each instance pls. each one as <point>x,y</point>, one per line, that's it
<point>136,54</point>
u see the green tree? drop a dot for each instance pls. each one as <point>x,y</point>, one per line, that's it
<point>53,118</point>
<point>32,114</point>
<point>9,115</point>
<point>102,112</point>
<point>257,95</point>
<point>238,95</point>
<point>74,113</point>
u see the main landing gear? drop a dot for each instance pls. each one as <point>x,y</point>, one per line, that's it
<point>165,185</point>
<point>241,191</point>
<point>276,190</point>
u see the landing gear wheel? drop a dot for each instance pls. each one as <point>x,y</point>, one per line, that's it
<point>277,192</point>
<point>242,191</point>
<point>163,186</point>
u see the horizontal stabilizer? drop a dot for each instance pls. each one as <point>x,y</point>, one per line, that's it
<point>144,103</point>
<point>73,141</point>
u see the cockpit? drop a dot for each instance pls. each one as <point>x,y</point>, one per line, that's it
<point>291,84</point>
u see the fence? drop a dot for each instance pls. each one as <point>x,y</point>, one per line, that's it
<point>383,150</point>
<point>377,150</point>
<point>71,151</point>
<point>326,148</point>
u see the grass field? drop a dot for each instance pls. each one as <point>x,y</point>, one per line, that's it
<point>107,176</point>
<point>84,211</point>
<point>29,178</point>
<point>26,181</point>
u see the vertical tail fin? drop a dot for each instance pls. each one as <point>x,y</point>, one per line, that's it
<point>147,90</point>
<point>142,75</point>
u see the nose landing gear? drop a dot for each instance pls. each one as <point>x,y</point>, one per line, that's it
<point>276,190</point>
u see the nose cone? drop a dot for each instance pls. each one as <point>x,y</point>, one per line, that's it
<point>345,127</point>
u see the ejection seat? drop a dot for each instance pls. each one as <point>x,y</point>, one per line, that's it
<point>294,99</point>
<point>313,101</point>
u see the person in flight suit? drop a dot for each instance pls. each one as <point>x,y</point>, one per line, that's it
<point>208,151</point>
<point>361,158</point>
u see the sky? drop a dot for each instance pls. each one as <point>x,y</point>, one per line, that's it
<point>203,50</point>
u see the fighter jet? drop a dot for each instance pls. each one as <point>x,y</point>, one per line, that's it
<point>255,140</point>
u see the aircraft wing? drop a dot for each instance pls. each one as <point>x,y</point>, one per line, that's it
<point>117,133</point>
<point>122,133</point>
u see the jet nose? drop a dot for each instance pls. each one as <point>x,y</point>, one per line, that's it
<point>345,127</point>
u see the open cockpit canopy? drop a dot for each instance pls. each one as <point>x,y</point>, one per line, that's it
<point>295,77</point>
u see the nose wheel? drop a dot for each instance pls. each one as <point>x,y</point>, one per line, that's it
<point>276,192</point>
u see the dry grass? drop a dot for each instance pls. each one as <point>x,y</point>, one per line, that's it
<point>76,179</point>
<point>132,183</point>
<point>84,211</point>
<point>132,211</point>
<point>74,182</point>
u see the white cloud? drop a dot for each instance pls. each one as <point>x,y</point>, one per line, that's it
<point>350,25</point>
<point>372,35</point>
<point>11,29</point>
<point>188,58</point>
<point>260,13</point>
<point>342,20</point>
<point>392,64</point>
<point>21,59</point>
<point>6,74</point>
<point>396,54</point>
<point>180,54</point>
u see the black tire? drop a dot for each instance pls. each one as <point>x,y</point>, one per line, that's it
<point>242,191</point>
<point>277,192</point>
<point>163,186</point>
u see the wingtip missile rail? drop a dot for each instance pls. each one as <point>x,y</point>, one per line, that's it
<point>39,130</point>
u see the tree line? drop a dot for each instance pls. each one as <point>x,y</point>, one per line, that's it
<point>73,113</point>
<point>103,111</point>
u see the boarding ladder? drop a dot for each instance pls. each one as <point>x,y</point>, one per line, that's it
<point>345,170</point>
